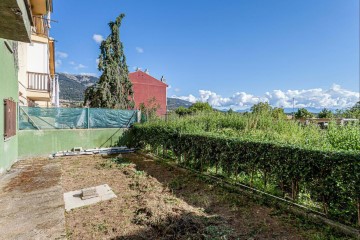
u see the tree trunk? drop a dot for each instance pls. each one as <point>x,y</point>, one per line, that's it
<point>358,206</point>
<point>282,187</point>
<point>325,206</point>
<point>252,178</point>
<point>293,190</point>
<point>265,179</point>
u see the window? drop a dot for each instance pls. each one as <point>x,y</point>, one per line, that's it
<point>10,118</point>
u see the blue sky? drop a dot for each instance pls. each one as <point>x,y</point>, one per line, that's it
<point>230,53</point>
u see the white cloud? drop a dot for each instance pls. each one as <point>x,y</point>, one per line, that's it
<point>97,61</point>
<point>72,63</point>
<point>190,98</point>
<point>58,63</point>
<point>139,49</point>
<point>177,89</point>
<point>61,54</point>
<point>80,66</point>
<point>98,38</point>
<point>334,97</point>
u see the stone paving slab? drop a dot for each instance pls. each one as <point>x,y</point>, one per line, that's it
<point>31,202</point>
<point>73,199</point>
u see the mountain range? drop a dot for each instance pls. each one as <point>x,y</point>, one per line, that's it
<point>72,87</point>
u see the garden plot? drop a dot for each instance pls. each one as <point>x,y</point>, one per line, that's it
<point>158,201</point>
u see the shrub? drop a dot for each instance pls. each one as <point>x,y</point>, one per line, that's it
<point>291,158</point>
<point>332,178</point>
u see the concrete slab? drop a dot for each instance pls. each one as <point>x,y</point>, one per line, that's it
<point>73,199</point>
<point>31,201</point>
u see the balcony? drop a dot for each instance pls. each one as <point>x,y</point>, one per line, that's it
<point>41,7</point>
<point>41,26</point>
<point>39,86</point>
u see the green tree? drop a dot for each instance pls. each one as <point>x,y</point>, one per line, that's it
<point>303,113</point>
<point>150,108</point>
<point>114,89</point>
<point>278,113</point>
<point>182,111</point>
<point>201,107</point>
<point>326,113</point>
<point>261,107</point>
<point>356,107</point>
<point>354,112</point>
<point>230,111</point>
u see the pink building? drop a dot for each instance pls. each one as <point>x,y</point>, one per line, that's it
<point>147,87</point>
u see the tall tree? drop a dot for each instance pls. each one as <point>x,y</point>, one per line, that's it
<point>114,89</point>
<point>261,107</point>
<point>201,107</point>
<point>303,113</point>
<point>278,113</point>
<point>325,113</point>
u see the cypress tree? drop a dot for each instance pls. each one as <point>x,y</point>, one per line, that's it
<point>114,89</point>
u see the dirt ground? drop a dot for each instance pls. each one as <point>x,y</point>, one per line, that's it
<point>158,201</point>
<point>31,201</point>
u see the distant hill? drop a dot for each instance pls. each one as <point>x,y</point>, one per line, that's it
<point>72,87</point>
<point>174,103</point>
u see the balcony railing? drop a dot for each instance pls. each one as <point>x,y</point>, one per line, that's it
<point>39,81</point>
<point>41,26</point>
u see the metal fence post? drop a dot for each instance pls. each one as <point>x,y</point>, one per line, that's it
<point>138,116</point>
<point>88,117</point>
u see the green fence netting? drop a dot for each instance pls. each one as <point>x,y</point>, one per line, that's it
<point>74,118</point>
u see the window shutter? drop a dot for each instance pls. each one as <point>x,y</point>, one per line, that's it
<point>10,118</point>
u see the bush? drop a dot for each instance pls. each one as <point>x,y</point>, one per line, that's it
<point>182,111</point>
<point>284,156</point>
<point>332,178</point>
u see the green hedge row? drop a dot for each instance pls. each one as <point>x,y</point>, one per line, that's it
<point>332,178</point>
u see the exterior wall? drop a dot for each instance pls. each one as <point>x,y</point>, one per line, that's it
<point>36,143</point>
<point>38,57</point>
<point>143,93</point>
<point>23,84</point>
<point>33,57</point>
<point>8,89</point>
<point>146,88</point>
<point>52,56</point>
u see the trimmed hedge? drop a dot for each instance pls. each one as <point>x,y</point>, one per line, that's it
<point>332,178</point>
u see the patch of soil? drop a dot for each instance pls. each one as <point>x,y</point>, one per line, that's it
<point>246,218</point>
<point>144,208</point>
<point>38,175</point>
<point>158,201</point>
